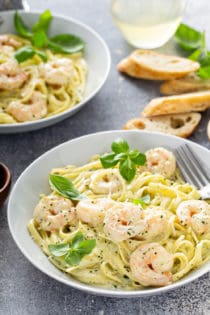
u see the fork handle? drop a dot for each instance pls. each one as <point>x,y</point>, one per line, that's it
<point>205,192</point>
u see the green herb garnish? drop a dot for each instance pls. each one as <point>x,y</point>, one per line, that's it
<point>189,38</point>
<point>64,187</point>
<point>194,41</point>
<point>21,28</point>
<point>145,200</point>
<point>38,35</point>
<point>40,39</point>
<point>28,52</point>
<point>66,43</point>
<point>127,159</point>
<point>73,251</point>
<point>44,22</point>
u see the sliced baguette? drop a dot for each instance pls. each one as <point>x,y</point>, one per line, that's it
<point>151,65</point>
<point>188,84</point>
<point>184,103</point>
<point>208,130</point>
<point>181,125</point>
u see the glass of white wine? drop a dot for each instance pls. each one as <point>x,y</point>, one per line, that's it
<point>147,23</point>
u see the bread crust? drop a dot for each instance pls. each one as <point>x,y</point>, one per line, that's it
<point>181,125</point>
<point>208,130</point>
<point>190,102</point>
<point>151,65</point>
<point>188,84</point>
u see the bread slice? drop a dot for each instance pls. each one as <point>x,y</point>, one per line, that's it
<point>190,83</point>
<point>184,103</point>
<point>208,130</point>
<point>181,125</point>
<point>151,65</point>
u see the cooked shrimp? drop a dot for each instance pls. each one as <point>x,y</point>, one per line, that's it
<point>195,213</point>
<point>6,40</point>
<point>92,211</point>
<point>54,212</point>
<point>162,161</point>
<point>151,265</point>
<point>11,75</point>
<point>123,221</point>
<point>35,109</point>
<point>57,72</point>
<point>106,182</point>
<point>157,224</point>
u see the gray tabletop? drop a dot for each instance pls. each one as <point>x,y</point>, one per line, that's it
<point>23,288</point>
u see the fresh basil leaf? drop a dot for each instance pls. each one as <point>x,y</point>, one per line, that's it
<point>58,250</point>
<point>138,202</point>
<point>81,248</point>
<point>127,169</point>
<point>120,146</point>
<point>133,153</point>
<point>40,39</point>
<point>21,28</point>
<point>204,72</point>
<point>24,54</point>
<point>189,38</point>
<point>44,21</point>
<point>204,59</point>
<point>64,187</point>
<point>140,159</point>
<point>78,238</point>
<point>73,258</point>
<point>27,52</point>
<point>42,55</point>
<point>66,43</point>
<point>85,247</point>
<point>120,156</point>
<point>195,55</point>
<point>145,200</point>
<point>108,160</point>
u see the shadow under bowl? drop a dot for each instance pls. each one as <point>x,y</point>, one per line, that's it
<point>5,181</point>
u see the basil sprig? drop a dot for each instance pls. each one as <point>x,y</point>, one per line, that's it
<point>38,35</point>
<point>73,251</point>
<point>127,159</point>
<point>64,187</point>
<point>143,201</point>
<point>194,42</point>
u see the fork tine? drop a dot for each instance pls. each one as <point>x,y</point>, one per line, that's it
<point>191,168</point>
<point>186,170</point>
<point>197,165</point>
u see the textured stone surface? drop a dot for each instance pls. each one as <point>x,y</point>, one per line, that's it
<point>24,289</point>
<point>10,4</point>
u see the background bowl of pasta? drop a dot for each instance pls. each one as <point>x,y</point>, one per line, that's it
<point>59,82</point>
<point>34,181</point>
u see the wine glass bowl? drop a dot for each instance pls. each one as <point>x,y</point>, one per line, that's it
<point>147,23</point>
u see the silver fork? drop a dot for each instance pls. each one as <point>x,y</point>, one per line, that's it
<point>193,170</point>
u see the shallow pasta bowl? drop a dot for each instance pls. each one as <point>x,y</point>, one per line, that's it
<point>96,55</point>
<point>34,181</point>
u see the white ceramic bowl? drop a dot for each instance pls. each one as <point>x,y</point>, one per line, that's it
<point>96,55</point>
<point>34,181</point>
